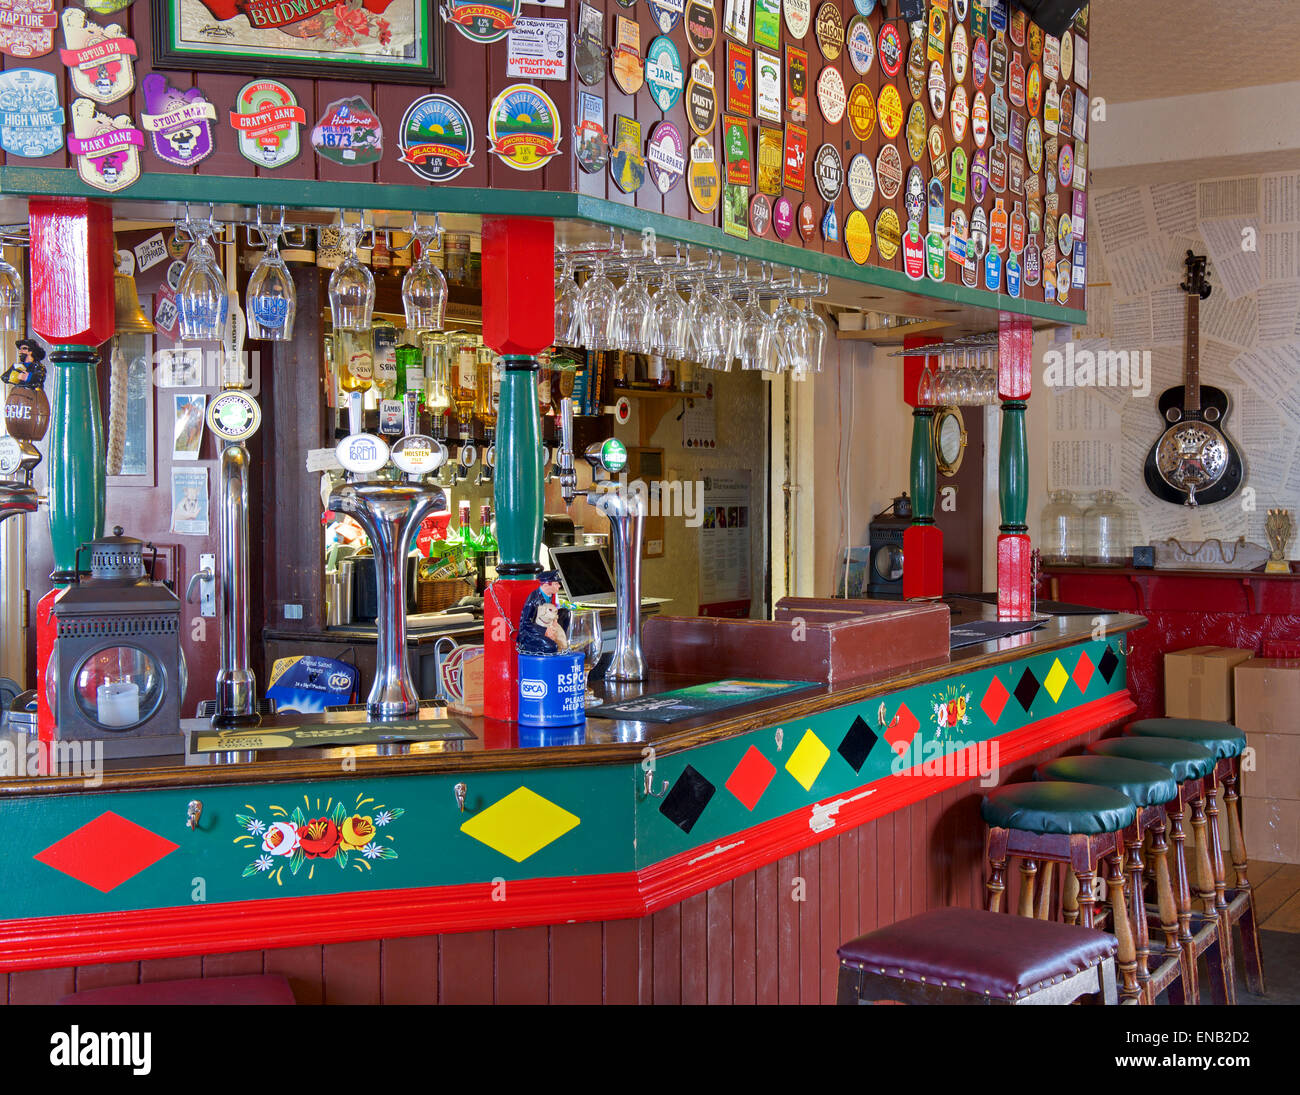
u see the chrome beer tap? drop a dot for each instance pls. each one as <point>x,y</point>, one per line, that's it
<point>17,495</point>
<point>626,511</point>
<point>391,514</point>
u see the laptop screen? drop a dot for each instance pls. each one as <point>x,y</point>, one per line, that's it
<point>585,571</point>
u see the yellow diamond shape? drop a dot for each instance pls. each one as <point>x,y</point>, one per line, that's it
<point>808,759</point>
<point>520,824</point>
<point>1057,679</point>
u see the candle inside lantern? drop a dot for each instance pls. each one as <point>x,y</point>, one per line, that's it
<point>117,703</point>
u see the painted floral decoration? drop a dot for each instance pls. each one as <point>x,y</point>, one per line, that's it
<point>330,832</point>
<point>951,710</point>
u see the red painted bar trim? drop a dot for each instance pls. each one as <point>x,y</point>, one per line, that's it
<point>52,942</point>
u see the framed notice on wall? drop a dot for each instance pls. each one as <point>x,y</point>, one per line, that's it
<point>386,41</point>
<point>724,544</point>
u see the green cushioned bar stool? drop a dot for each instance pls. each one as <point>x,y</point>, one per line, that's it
<point>1149,787</point>
<point>1185,932</point>
<point>1236,903</point>
<point>1079,825</point>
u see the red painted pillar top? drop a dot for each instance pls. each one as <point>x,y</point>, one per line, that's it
<point>71,270</point>
<point>518,284</point>
<point>1015,356</point>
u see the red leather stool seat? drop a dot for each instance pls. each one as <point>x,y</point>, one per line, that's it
<point>253,989</point>
<point>982,953</point>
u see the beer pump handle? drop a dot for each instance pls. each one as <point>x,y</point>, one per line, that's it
<point>564,458</point>
<point>356,413</point>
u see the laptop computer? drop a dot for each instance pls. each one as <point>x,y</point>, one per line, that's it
<point>585,576</point>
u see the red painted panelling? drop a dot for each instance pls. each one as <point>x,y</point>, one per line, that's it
<point>577,963</point>
<point>232,965</point>
<point>523,966</point>
<point>721,925</point>
<point>744,971</point>
<point>107,976</point>
<point>808,864</point>
<point>409,970</point>
<point>41,986</point>
<point>625,975</point>
<point>352,972</point>
<point>666,926</point>
<point>466,974</point>
<point>787,912</point>
<point>768,935</point>
<point>829,907</point>
<point>171,969</point>
<point>695,949</point>
<point>304,969</point>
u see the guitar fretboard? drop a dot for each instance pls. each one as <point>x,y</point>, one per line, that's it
<point>1192,361</point>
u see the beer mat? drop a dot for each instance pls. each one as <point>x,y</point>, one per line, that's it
<point>695,699</point>
<point>329,734</point>
<point>983,631</point>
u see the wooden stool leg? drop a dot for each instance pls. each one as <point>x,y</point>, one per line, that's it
<point>1085,897</point>
<point>1070,897</point>
<point>1183,903</point>
<point>1139,911</point>
<point>1129,990</point>
<point>1251,957</point>
<point>1165,901</point>
<point>1044,909</point>
<point>997,857</point>
<point>1028,873</point>
<point>1220,890</point>
<point>1203,874</point>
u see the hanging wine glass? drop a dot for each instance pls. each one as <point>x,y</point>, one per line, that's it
<point>756,339</point>
<point>633,315</point>
<point>791,337</point>
<point>201,299</point>
<point>11,297</point>
<point>271,300</point>
<point>669,320</point>
<point>352,286</point>
<point>598,309</point>
<point>568,307</point>
<point>818,335</point>
<point>424,289</point>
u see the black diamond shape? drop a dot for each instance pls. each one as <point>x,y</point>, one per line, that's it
<point>1108,664</point>
<point>1027,689</point>
<point>684,804</point>
<point>857,743</point>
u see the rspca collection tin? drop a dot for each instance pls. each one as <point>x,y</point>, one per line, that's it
<point>551,690</point>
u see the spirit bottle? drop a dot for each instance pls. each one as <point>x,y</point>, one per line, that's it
<point>385,359</point>
<point>354,352</point>
<point>464,389</point>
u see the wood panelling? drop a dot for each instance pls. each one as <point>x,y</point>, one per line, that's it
<point>766,937</point>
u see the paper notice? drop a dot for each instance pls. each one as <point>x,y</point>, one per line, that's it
<point>1233,248</point>
<point>1278,306</point>
<point>1122,217</point>
<point>1233,321</point>
<point>1279,255</point>
<point>1136,270</point>
<point>1168,316</point>
<point>1228,198</point>
<point>1175,207</point>
<point>1281,198</point>
<point>1131,321</point>
<point>1084,450</point>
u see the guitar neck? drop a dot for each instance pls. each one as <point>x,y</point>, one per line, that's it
<point>1192,361</point>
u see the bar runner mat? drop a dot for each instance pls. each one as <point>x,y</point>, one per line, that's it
<point>695,699</point>
<point>983,631</point>
<point>1047,608</point>
<point>329,734</point>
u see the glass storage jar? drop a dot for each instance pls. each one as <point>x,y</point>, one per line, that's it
<point>1106,539</point>
<point>1061,530</point>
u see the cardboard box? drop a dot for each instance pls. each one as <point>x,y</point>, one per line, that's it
<point>1267,694</point>
<point>1198,682</point>
<point>1272,830</point>
<point>1272,768</point>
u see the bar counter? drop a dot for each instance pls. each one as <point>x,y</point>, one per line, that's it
<point>593,837</point>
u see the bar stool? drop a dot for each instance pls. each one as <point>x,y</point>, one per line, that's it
<point>968,956</point>
<point>1077,824</point>
<point>1190,765</point>
<point>1235,903</point>
<point>1149,786</point>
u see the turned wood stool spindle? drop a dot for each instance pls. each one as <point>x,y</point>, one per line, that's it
<point>1235,903</point>
<point>1076,824</point>
<point>1183,928</point>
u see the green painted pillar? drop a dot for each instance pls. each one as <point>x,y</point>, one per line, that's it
<point>517,480</point>
<point>75,456</point>
<point>1013,468</point>
<point>924,473</point>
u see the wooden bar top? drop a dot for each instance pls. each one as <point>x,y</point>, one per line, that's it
<point>498,745</point>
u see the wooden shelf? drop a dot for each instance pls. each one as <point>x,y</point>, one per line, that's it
<point>893,336</point>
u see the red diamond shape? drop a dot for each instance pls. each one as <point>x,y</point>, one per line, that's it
<point>105,852</point>
<point>995,699</point>
<point>750,778</point>
<point>1083,671</point>
<point>902,729</point>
